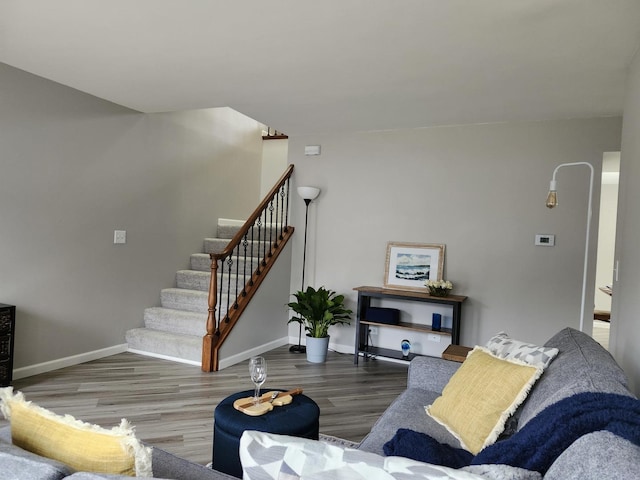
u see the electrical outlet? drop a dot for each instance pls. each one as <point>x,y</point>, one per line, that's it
<point>119,236</point>
<point>545,240</point>
<point>373,330</point>
<point>433,338</point>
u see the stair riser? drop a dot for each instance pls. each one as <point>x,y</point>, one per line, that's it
<point>153,341</point>
<point>192,280</point>
<point>188,300</point>
<point>178,299</point>
<point>174,321</point>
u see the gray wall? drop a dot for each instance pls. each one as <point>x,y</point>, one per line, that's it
<point>480,190</point>
<point>606,243</point>
<point>625,309</point>
<point>268,310</point>
<point>74,168</point>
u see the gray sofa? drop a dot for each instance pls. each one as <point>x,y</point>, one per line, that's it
<point>582,365</point>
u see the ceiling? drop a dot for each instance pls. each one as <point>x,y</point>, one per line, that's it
<point>304,66</point>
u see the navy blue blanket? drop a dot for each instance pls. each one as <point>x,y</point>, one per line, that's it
<point>537,445</point>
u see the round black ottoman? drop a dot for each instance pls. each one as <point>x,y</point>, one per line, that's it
<point>300,419</point>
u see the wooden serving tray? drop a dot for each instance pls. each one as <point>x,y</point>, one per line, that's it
<point>246,405</point>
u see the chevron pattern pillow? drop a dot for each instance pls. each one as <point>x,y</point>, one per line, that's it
<point>503,346</point>
<point>267,456</point>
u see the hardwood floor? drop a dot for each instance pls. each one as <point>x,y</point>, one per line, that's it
<point>171,404</point>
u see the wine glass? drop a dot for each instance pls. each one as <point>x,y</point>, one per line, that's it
<point>258,371</point>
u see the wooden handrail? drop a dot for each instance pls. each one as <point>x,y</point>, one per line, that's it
<point>219,329</point>
<point>235,241</point>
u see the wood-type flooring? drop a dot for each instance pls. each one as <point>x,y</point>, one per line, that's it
<point>171,404</point>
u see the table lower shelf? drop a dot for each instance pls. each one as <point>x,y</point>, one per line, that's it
<point>385,352</point>
<point>418,327</point>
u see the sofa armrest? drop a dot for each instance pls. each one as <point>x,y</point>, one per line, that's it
<point>430,373</point>
<point>166,465</point>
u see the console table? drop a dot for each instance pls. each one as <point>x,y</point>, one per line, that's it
<point>7,329</point>
<point>365,294</point>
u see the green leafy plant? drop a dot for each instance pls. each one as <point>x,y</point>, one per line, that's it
<point>318,309</point>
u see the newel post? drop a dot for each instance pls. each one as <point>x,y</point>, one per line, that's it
<point>208,352</point>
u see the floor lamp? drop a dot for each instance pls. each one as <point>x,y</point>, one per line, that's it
<point>308,194</point>
<point>552,201</point>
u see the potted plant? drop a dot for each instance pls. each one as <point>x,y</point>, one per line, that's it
<point>317,310</point>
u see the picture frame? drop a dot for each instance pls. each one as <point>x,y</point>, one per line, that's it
<point>409,265</point>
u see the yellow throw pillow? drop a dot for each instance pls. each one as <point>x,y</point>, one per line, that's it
<point>480,396</point>
<point>81,446</point>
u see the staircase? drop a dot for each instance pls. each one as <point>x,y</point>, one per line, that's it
<point>198,315</point>
<point>175,329</point>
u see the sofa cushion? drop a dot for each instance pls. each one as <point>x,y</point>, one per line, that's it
<point>480,396</point>
<point>503,472</point>
<point>167,465</point>
<point>406,411</point>
<point>25,468</point>
<point>503,346</point>
<point>430,373</point>
<point>34,465</point>
<point>582,365</point>
<point>268,456</point>
<point>81,446</point>
<point>598,455</point>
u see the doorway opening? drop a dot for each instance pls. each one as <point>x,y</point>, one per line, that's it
<point>606,246</point>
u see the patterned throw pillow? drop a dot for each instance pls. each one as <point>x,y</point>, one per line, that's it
<point>480,396</point>
<point>267,456</point>
<point>503,346</point>
<point>80,445</point>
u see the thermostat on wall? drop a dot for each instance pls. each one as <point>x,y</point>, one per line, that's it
<point>545,240</point>
<point>312,150</point>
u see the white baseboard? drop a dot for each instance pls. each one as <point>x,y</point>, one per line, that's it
<point>224,362</point>
<point>336,347</point>
<point>45,367</point>
<point>164,357</point>
<point>247,354</point>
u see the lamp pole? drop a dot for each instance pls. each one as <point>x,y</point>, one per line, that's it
<point>308,194</point>
<point>552,201</point>
<point>307,201</point>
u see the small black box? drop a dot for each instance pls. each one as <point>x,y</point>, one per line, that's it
<point>390,316</point>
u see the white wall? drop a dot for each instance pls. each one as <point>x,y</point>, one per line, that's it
<point>73,169</point>
<point>478,189</point>
<point>607,228</point>
<point>274,163</point>
<point>625,325</point>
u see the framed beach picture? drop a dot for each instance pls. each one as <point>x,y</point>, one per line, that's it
<point>409,265</point>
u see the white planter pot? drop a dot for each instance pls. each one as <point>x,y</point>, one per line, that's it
<point>317,349</point>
